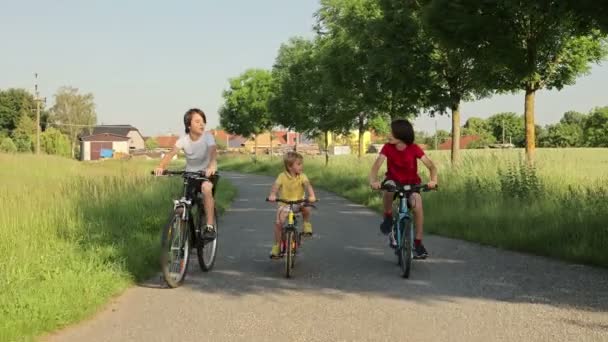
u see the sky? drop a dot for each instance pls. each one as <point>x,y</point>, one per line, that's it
<point>147,62</point>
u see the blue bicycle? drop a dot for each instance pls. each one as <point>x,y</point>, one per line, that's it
<point>403,223</point>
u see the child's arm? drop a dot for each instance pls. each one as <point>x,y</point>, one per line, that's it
<point>273,191</point>
<point>311,192</point>
<point>165,161</point>
<point>432,169</point>
<point>373,175</point>
<point>212,168</point>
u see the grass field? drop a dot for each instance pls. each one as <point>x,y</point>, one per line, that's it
<point>559,208</point>
<point>74,234</point>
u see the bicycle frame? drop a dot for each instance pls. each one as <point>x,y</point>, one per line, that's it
<point>404,213</point>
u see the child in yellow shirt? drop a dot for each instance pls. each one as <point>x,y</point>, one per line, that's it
<point>291,185</point>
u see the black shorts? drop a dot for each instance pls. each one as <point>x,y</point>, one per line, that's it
<point>407,194</point>
<point>196,184</point>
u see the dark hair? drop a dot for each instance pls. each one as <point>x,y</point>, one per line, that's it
<point>403,130</point>
<point>188,117</point>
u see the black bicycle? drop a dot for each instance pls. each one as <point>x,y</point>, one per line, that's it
<point>291,239</point>
<point>403,223</point>
<point>184,231</point>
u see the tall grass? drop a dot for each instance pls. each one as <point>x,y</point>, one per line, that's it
<point>557,208</point>
<point>72,235</point>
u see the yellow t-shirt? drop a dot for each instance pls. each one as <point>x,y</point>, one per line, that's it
<point>291,188</point>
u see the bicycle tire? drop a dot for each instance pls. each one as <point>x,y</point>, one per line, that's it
<point>405,247</point>
<point>206,262</point>
<point>175,240</point>
<point>289,254</point>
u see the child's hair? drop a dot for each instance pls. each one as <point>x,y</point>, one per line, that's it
<point>403,130</point>
<point>188,118</point>
<point>290,158</point>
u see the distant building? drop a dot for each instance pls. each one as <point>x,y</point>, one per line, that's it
<point>103,145</point>
<point>136,140</point>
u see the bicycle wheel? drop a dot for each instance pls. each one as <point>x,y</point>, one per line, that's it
<point>175,250</point>
<point>207,249</point>
<point>405,247</point>
<point>290,242</point>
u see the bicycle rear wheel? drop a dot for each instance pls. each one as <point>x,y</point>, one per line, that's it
<point>175,250</point>
<point>207,249</point>
<point>405,247</point>
<point>290,257</point>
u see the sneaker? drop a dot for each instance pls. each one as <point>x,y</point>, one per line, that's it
<point>420,252</point>
<point>392,242</point>
<point>209,232</point>
<point>275,252</point>
<point>307,230</point>
<point>386,225</point>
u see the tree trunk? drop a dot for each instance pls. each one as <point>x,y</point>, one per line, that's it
<point>529,119</point>
<point>361,132</point>
<point>73,147</point>
<point>255,148</point>
<point>295,146</point>
<point>326,148</point>
<point>455,132</point>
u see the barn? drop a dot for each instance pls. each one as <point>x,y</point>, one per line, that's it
<point>103,145</point>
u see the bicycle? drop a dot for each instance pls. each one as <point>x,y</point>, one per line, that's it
<point>403,225</point>
<point>291,239</point>
<point>184,230</point>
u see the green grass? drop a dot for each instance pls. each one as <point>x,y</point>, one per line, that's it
<point>73,235</point>
<point>559,208</point>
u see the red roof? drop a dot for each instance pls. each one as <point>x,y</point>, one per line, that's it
<point>464,142</point>
<point>167,141</point>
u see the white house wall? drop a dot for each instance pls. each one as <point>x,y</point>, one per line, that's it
<point>86,150</point>
<point>136,141</point>
<point>121,146</point>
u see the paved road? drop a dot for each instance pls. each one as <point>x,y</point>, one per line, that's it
<point>347,288</point>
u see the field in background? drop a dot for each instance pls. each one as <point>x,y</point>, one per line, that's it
<point>74,234</point>
<point>559,208</point>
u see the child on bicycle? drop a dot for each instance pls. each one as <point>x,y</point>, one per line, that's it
<point>290,185</point>
<point>402,154</point>
<point>201,155</point>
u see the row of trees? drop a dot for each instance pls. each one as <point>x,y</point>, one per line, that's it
<point>376,60</point>
<point>61,124</point>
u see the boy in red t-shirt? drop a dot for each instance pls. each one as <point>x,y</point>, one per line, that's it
<point>402,157</point>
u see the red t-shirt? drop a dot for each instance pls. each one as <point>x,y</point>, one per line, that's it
<point>402,166</point>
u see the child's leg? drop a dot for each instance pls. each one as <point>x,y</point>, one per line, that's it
<point>306,226</point>
<point>207,190</point>
<point>416,204</point>
<point>387,221</point>
<point>278,224</point>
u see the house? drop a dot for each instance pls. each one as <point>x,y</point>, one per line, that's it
<point>136,140</point>
<point>103,145</point>
<point>465,141</point>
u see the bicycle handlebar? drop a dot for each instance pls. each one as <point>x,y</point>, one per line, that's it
<point>182,173</point>
<point>393,187</point>
<point>304,201</point>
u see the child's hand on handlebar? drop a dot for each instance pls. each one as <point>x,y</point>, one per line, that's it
<point>159,171</point>
<point>272,198</point>
<point>375,185</point>
<point>431,185</point>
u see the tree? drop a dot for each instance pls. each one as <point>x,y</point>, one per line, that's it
<point>24,135</point>
<point>304,97</point>
<point>7,145</point>
<point>73,113</point>
<point>573,118</point>
<point>596,128</point>
<point>245,110</point>
<point>562,135</point>
<point>14,104</point>
<point>536,45</point>
<point>52,141</point>
<point>508,127</point>
<point>151,143</point>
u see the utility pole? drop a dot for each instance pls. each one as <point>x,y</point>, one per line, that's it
<point>503,131</point>
<point>38,100</point>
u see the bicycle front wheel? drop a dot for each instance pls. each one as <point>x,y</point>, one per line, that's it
<point>290,256</point>
<point>405,247</point>
<point>175,250</point>
<point>207,249</point>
